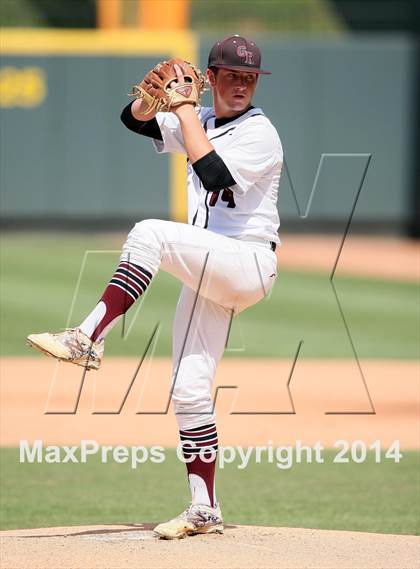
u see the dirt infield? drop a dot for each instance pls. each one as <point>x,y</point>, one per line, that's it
<point>327,401</point>
<point>240,547</point>
<point>378,257</point>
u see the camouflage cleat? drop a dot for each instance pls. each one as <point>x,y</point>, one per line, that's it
<point>197,518</point>
<point>72,346</point>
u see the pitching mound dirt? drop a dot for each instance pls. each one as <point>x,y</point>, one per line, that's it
<point>241,547</point>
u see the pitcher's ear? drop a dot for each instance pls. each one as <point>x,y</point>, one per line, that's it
<point>211,77</point>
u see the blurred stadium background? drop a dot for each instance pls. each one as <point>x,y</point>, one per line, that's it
<point>344,81</point>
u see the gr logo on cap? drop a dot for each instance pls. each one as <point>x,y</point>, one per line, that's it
<point>236,53</point>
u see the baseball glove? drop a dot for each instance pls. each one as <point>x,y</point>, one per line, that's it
<point>161,91</point>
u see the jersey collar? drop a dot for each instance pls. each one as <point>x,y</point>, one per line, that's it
<point>226,120</point>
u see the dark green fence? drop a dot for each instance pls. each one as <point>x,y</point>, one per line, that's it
<point>65,156</point>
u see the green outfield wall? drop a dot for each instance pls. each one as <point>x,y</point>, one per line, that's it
<point>66,157</point>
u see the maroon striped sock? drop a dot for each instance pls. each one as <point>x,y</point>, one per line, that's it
<point>193,441</point>
<point>128,283</point>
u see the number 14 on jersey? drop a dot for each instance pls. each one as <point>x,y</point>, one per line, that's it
<point>227,196</point>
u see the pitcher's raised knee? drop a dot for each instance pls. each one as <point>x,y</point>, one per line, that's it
<point>144,244</point>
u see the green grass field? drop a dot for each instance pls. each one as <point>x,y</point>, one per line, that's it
<point>40,274</point>
<point>361,497</point>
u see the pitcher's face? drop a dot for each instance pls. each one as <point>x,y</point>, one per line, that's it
<point>232,90</point>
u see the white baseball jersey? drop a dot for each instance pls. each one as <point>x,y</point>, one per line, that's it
<point>251,149</point>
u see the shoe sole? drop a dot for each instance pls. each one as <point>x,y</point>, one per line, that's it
<point>86,365</point>
<point>202,531</point>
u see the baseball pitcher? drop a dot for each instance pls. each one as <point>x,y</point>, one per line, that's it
<point>225,255</point>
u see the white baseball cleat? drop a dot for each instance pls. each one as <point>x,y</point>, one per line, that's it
<point>197,518</point>
<point>72,346</point>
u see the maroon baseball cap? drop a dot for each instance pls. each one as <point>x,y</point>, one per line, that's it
<point>237,53</point>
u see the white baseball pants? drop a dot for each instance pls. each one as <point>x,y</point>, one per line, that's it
<point>221,276</point>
